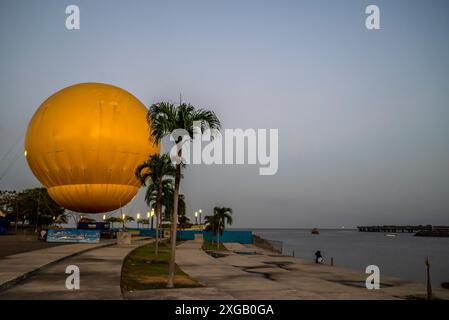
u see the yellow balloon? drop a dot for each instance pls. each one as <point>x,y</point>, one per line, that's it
<point>84,143</point>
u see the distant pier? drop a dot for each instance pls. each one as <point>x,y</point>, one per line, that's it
<point>395,229</point>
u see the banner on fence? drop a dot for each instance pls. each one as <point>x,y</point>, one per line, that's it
<point>73,235</point>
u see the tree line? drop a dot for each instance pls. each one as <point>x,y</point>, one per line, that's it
<point>32,207</point>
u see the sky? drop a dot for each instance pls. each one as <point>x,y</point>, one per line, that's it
<point>362,114</point>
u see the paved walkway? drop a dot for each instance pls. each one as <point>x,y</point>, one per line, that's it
<point>264,275</point>
<point>213,272</point>
<point>244,272</point>
<point>19,266</point>
<point>14,244</point>
<point>100,272</point>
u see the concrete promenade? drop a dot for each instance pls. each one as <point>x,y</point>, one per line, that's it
<point>100,271</point>
<point>242,272</point>
<point>15,244</point>
<point>322,281</point>
<point>14,268</point>
<point>265,275</point>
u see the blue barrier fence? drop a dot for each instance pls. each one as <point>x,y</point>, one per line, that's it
<point>240,236</point>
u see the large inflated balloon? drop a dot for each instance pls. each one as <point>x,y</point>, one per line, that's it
<point>84,143</point>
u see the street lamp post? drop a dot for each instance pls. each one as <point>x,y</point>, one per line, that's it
<point>152,217</point>
<point>200,215</point>
<point>138,218</point>
<point>157,227</point>
<point>196,217</point>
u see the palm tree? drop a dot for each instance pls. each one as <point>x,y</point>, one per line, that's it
<point>87,219</point>
<point>184,222</point>
<point>155,171</point>
<point>111,220</point>
<point>217,222</point>
<point>168,204</point>
<point>125,219</point>
<point>144,221</point>
<point>164,118</point>
<point>61,219</point>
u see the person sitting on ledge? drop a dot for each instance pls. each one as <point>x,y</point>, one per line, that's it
<point>318,257</point>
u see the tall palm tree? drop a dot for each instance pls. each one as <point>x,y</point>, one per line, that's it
<point>154,199</point>
<point>164,118</point>
<point>167,199</point>
<point>211,224</point>
<point>218,221</point>
<point>155,171</point>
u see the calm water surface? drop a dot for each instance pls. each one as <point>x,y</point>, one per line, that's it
<point>402,256</point>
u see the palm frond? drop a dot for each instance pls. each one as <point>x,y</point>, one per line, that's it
<point>161,118</point>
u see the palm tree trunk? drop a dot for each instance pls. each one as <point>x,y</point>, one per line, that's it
<point>218,240</point>
<point>158,214</point>
<point>156,251</point>
<point>156,248</point>
<point>17,217</point>
<point>37,215</point>
<point>171,266</point>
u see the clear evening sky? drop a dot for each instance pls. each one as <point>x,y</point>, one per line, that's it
<point>362,115</point>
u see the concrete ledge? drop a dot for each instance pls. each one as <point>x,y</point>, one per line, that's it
<point>123,238</point>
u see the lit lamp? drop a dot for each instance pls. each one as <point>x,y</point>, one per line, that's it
<point>152,215</point>
<point>123,221</point>
<point>200,214</point>
<point>196,217</point>
<point>104,217</point>
<point>138,218</point>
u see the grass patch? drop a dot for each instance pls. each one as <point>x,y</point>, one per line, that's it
<point>142,270</point>
<point>209,246</point>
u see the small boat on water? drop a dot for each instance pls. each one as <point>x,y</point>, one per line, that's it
<point>391,235</point>
<point>315,231</point>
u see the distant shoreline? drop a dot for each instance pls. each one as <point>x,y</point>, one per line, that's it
<point>333,229</point>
